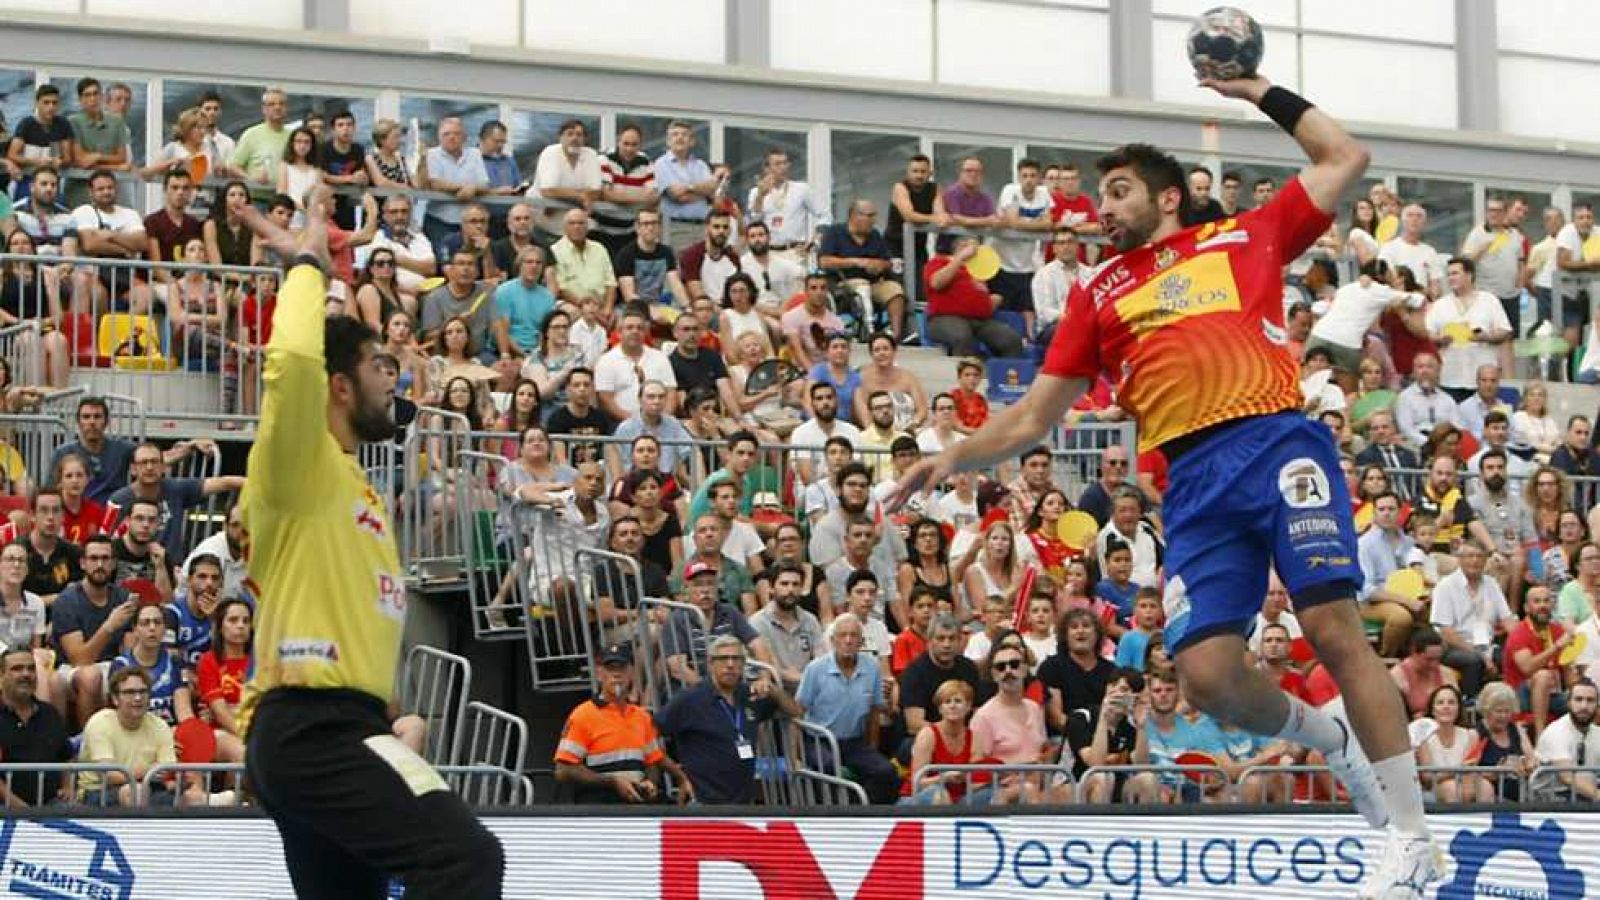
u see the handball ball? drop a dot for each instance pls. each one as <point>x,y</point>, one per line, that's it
<point>1224,44</point>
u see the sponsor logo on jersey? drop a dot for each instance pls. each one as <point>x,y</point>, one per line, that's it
<point>1198,286</point>
<point>1303,484</point>
<point>307,650</point>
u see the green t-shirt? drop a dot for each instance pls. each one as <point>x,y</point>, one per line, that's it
<point>260,150</point>
<point>1572,606</point>
<point>108,135</point>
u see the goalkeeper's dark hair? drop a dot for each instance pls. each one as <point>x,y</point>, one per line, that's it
<point>1158,170</point>
<point>343,337</point>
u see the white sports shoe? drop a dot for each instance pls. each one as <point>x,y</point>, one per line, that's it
<point>1353,770</point>
<point>1408,865</point>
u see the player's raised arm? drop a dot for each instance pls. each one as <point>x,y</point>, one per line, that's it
<point>1338,160</point>
<point>294,420</point>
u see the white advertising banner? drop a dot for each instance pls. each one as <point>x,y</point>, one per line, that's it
<point>1526,856</point>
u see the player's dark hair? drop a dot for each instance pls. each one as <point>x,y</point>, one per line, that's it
<point>343,338</point>
<point>1158,170</point>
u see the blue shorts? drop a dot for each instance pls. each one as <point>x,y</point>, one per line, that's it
<point>1264,491</point>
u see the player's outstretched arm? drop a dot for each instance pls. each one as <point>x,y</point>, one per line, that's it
<point>1010,431</point>
<point>1338,160</point>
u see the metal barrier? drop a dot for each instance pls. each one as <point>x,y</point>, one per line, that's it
<point>434,685</point>
<point>1293,771</point>
<point>70,786</point>
<point>429,547</point>
<point>797,765</point>
<point>484,786</point>
<point>1029,778</point>
<point>219,781</point>
<point>35,437</point>
<point>546,584</point>
<point>381,463</point>
<point>127,413</point>
<point>22,345</point>
<point>1163,773</point>
<point>1544,783</point>
<point>491,736</point>
<point>167,332</point>
<point>654,659</point>
<point>485,537</point>
<point>620,578</point>
<point>204,519</point>
<point>818,789</point>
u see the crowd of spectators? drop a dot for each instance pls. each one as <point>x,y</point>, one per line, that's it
<point>665,369</point>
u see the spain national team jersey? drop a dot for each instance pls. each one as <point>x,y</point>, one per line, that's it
<point>1193,325</point>
<point>332,597</point>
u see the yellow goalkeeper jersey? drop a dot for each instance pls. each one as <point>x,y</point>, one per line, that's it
<point>322,549</point>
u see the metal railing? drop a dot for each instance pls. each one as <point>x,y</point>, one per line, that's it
<point>488,786</point>
<point>128,419</point>
<point>205,518</point>
<point>35,437</point>
<point>491,736</point>
<point>381,463</point>
<point>620,578</point>
<point>1211,778</point>
<point>548,587</point>
<point>487,544</point>
<point>1032,782</point>
<point>1544,782</point>
<point>71,780</point>
<point>434,685</point>
<point>662,686</point>
<point>165,331</point>
<point>430,545</point>
<point>218,781</point>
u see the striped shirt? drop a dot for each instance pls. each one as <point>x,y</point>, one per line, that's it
<point>615,171</point>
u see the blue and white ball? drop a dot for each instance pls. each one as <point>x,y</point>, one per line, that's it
<point>1225,43</point>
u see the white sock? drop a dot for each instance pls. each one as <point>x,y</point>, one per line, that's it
<point>1402,792</point>
<point>1311,727</point>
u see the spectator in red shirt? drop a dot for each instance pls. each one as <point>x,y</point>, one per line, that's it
<point>222,672</point>
<point>1532,663</point>
<point>83,517</point>
<point>1275,661</point>
<point>972,409</point>
<point>1072,208</point>
<point>961,311</point>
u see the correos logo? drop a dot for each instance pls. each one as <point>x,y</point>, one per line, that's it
<point>58,859</point>
<point>1126,868</point>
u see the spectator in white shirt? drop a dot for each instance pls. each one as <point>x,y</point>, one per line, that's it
<point>1469,325</point>
<point>777,276</point>
<point>1355,308</point>
<point>1409,250</point>
<point>1024,205</point>
<point>1571,740</point>
<point>1577,252</point>
<point>1052,282</point>
<point>1424,405</point>
<point>1467,609</point>
<point>623,369</point>
<point>788,208</point>
<point>567,174</point>
<point>451,168</point>
<point>413,254</point>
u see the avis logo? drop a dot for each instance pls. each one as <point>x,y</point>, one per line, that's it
<point>55,859</point>
<point>1473,853</point>
<point>779,858</point>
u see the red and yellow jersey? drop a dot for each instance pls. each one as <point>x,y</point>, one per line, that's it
<point>1193,324</point>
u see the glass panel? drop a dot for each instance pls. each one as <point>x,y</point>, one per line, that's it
<point>241,106</point>
<point>1532,223</point>
<point>532,131</point>
<point>997,171</point>
<point>16,98</point>
<point>1083,157</point>
<point>1449,206</point>
<point>1250,173</point>
<point>68,83</point>
<point>745,152</point>
<point>655,134</point>
<point>427,111</point>
<point>867,166</point>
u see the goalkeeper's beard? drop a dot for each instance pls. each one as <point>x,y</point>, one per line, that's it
<point>370,421</point>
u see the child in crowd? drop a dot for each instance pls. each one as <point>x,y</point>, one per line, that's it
<point>1146,622</point>
<point>910,644</point>
<point>972,410</point>
<point>1117,587</point>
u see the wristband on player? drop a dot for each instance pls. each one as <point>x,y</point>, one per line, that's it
<point>1284,107</point>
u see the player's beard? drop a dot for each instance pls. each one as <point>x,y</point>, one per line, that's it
<point>1135,231</point>
<point>371,420</point>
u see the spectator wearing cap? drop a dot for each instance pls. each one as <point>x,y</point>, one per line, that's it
<point>30,732</point>
<point>794,634</point>
<point>807,326</point>
<point>687,634</point>
<point>843,692</point>
<point>609,750</point>
<point>712,726</point>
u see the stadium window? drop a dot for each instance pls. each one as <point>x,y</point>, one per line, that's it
<point>427,111</point>
<point>532,131</point>
<point>1083,157</point>
<point>241,107</point>
<point>655,134</point>
<point>1449,206</point>
<point>745,152</point>
<point>16,97</point>
<point>68,83</point>
<point>867,166</point>
<point>998,169</point>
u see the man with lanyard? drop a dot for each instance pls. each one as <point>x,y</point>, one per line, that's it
<point>353,805</point>
<point>1193,321</point>
<point>713,725</point>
